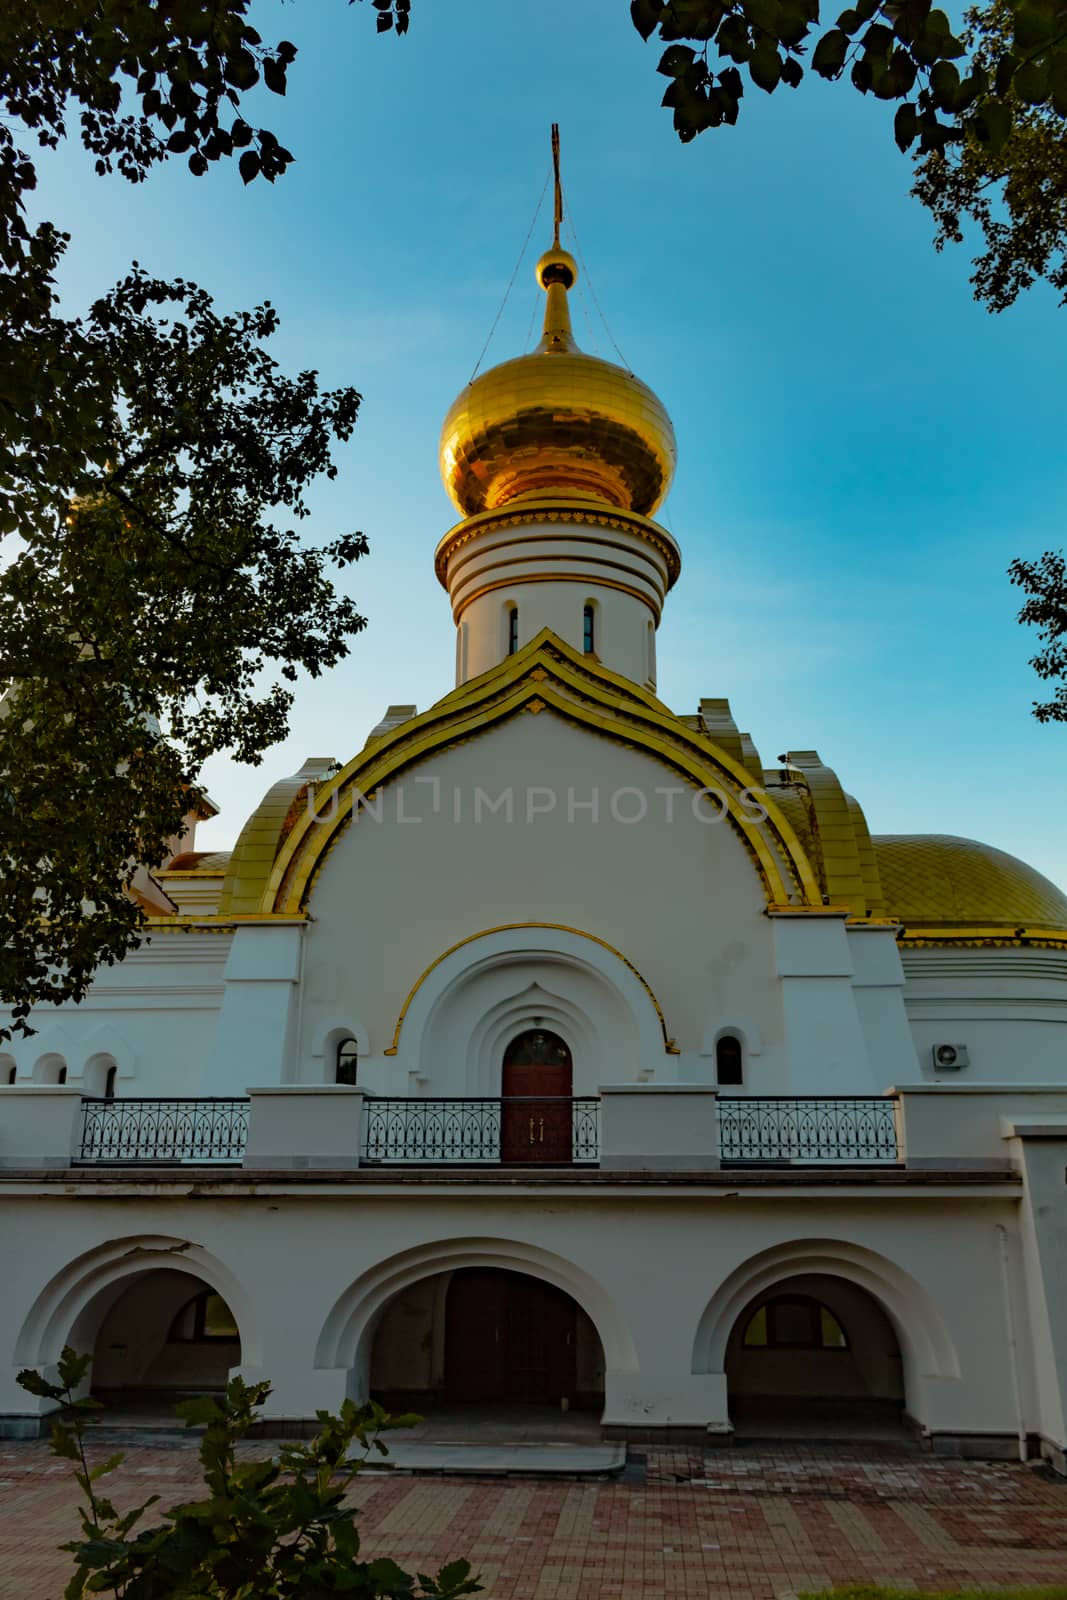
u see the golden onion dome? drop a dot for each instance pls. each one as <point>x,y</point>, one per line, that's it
<point>556,422</point>
<point>938,879</point>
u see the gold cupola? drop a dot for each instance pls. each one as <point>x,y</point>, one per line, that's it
<point>556,461</point>
<point>557,421</point>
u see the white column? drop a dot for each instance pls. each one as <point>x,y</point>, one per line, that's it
<point>255,1028</point>
<point>825,1048</point>
<point>878,986</point>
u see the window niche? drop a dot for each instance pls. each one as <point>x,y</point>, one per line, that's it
<point>347,1062</point>
<point>794,1322</point>
<point>205,1319</point>
<point>589,628</point>
<point>729,1061</point>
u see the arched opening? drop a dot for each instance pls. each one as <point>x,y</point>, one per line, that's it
<point>165,1334</point>
<point>537,1083</point>
<point>347,1062</point>
<point>729,1061</point>
<point>589,638</point>
<point>814,1354</point>
<point>487,1337</point>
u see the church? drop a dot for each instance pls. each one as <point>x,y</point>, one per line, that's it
<point>558,1049</point>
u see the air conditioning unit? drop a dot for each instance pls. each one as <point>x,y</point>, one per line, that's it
<point>950,1057</point>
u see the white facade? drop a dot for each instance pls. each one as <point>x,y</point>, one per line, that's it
<point>743,997</point>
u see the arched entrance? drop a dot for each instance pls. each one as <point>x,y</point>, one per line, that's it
<point>814,1353</point>
<point>485,1336</point>
<point>536,1088</point>
<point>165,1334</point>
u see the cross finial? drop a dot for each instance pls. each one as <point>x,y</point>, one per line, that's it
<point>558,217</point>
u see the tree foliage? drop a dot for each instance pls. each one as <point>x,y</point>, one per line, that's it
<point>984,112</point>
<point>268,1529</point>
<point>1045,583</point>
<point>154,462</point>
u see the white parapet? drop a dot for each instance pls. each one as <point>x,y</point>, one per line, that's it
<point>39,1125</point>
<point>650,1127</point>
<point>315,1126</point>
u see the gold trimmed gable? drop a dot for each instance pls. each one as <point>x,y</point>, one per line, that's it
<point>546,673</point>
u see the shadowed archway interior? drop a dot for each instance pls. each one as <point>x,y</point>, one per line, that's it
<point>487,1337</point>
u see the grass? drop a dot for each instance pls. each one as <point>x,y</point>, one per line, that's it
<point>873,1591</point>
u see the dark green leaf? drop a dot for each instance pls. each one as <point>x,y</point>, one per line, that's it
<point>905,125</point>
<point>645,15</point>
<point>830,53</point>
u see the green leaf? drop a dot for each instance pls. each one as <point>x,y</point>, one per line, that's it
<point>202,1409</point>
<point>765,66</point>
<point>992,124</point>
<point>830,53</point>
<point>905,125</point>
<point>1031,82</point>
<point>1034,24</point>
<point>945,83</point>
<point>274,75</point>
<point>675,59</point>
<point>645,15</point>
<point>850,21</point>
<point>249,165</point>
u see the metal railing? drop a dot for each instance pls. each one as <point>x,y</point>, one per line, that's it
<point>517,1131</point>
<point>155,1132</point>
<point>823,1130</point>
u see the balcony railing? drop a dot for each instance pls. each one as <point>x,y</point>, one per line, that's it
<point>163,1132</point>
<point>518,1131</point>
<point>822,1131</point>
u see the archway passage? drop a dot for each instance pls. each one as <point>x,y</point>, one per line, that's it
<point>487,1338</point>
<point>165,1335</point>
<point>536,1087</point>
<point>815,1356</point>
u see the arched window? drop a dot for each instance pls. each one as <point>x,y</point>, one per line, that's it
<point>10,1074</point>
<point>109,1082</point>
<point>513,629</point>
<point>203,1319</point>
<point>347,1060</point>
<point>588,629</point>
<point>794,1322</point>
<point>651,652</point>
<point>729,1061</point>
<point>62,1075</point>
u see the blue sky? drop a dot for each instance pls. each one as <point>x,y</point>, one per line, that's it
<point>862,449</point>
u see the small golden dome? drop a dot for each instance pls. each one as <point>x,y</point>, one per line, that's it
<point>557,422</point>
<point>940,880</point>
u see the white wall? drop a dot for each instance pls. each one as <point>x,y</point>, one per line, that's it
<point>663,1281</point>
<point>680,901</point>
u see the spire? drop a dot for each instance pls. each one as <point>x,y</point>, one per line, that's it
<point>556,271</point>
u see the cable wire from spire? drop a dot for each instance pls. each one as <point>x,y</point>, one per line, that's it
<point>588,278</point>
<point>511,280</point>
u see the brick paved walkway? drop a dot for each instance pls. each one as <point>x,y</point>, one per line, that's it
<point>741,1525</point>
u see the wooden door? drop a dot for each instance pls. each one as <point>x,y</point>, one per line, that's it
<point>508,1339</point>
<point>538,1079</point>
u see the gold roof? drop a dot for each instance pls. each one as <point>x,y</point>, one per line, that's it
<point>557,421</point>
<point>938,879</point>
